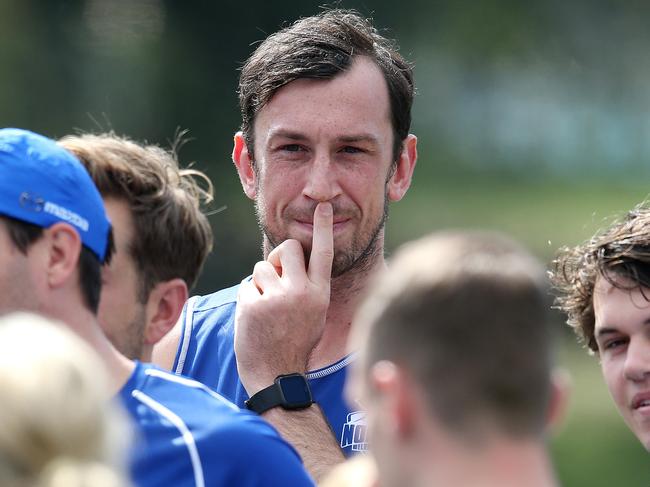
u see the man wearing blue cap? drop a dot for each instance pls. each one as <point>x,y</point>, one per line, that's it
<point>54,236</point>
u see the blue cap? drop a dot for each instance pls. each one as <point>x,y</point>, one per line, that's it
<point>43,184</point>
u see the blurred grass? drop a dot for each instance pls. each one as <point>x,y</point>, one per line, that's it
<point>594,447</point>
<point>544,215</point>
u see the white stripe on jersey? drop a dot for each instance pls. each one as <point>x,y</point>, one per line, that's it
<point>161,374</point>
<point>182,427</point>
<point>185,339</point>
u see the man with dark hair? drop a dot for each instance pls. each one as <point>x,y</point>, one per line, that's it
<point>456,366</point>
<point>604,287</point>
<point>324,146</point>
<point>187,434</point>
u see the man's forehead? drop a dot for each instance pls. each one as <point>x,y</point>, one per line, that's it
<point>617,296</point>
<point>603,286</point>
<point>612,283</point>
<point>358,89</point>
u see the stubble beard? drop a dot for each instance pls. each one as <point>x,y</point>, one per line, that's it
<point>131,343</point>
<point>358,257</point>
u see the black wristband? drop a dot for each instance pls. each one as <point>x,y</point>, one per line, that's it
<point>290,391</point>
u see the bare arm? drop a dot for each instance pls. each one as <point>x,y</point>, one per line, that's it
<point>281,316</point>
<point>309,433</point>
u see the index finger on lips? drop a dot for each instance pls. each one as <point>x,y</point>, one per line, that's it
<point>322,247</point>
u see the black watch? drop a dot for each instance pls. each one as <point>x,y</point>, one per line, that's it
<point>290,391</point>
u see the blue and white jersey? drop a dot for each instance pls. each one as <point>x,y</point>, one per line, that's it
<point>206,353</point>
<point>189,436</point>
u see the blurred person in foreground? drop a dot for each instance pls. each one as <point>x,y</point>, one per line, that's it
<point>58,426</point>
<point>324,147</point>
<point>54,237</point>
<point>358,471</point>
<point>603,286</point>
<point>456,365</point>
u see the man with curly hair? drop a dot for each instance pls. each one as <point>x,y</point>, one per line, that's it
<point>604,288</point>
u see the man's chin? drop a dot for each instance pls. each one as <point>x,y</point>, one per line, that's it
<point>344,260</point>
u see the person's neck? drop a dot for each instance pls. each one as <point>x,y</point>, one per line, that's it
<point>84,323</point>
<point>505,465</point>
<point>346,293</point>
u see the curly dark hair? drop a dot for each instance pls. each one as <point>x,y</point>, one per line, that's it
<point>620,254</point>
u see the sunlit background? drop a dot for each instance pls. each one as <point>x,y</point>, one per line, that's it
<point>532,118</point>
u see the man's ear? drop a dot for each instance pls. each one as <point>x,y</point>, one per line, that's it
<point>244,164</point>
<point>393,386</point>
<point>63,248</point>
<point>559,400</point>
<point>400,180</point>
<point>164,307</point>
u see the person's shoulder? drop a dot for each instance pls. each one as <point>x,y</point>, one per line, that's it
<point>210,316</point>
<point>187,404</point>
<point>228,446</point>
<point>217,299</point>
<point>179,393</point>
<point>199,317</point>
<point>248,448</point>
<point>254,452</point>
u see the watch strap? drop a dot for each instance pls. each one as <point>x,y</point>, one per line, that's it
<point>290,391</point>
<point>265,399</point>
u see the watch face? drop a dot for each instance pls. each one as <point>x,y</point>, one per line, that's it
<point>295,390</point>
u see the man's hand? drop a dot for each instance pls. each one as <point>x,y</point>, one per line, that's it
<point>280,318</point>
<point>281,312</point>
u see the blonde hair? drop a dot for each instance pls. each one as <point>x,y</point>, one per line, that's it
<point>58,426</point>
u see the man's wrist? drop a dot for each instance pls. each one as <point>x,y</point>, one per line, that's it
<point>288,391</point>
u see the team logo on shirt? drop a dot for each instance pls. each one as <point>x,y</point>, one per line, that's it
<point>354,432</point>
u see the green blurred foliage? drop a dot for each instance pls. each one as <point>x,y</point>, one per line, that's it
<point>532,119</point>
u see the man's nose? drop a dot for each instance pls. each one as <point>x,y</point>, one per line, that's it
<point>322,179</point>
<point>637,360</point>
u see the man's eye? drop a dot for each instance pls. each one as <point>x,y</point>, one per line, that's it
<point>614,344</point>
<point>348,149</point>
<point>291,148</point>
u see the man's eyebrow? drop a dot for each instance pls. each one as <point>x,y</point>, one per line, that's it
<point>359,138</point>
<point>287,134</point>
<point>297,136</point>
<point>609,330</point>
